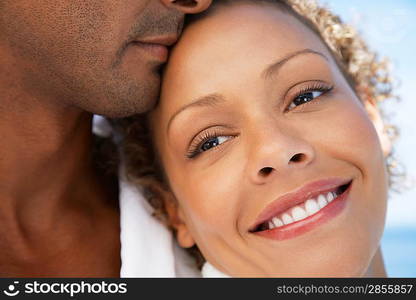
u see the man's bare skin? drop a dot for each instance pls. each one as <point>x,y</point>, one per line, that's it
<point>59,215</point>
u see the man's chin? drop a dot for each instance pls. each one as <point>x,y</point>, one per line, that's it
<point>126,109</point>
<point>136,96</point>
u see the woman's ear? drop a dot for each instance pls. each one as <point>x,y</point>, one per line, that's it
<point>177,221</point>
<point>375,116</point>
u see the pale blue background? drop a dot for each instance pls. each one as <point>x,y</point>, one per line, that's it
<point>389,27</point>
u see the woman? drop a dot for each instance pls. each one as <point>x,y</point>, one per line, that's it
<point>270,148</point>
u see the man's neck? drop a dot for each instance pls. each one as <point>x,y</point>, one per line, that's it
<point>42,155</point>
<point>46,159</point>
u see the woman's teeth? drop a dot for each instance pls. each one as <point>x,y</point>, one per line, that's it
<point>301,211</point>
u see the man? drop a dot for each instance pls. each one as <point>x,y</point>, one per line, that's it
<point>61,62</point>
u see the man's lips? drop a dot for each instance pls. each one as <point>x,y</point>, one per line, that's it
<point>157,47</point>
<point>297,197</point>
<point>167,40</point>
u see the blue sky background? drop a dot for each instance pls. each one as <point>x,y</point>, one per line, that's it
<point>388,27</point>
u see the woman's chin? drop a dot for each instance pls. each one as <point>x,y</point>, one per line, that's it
<point>344,269</point>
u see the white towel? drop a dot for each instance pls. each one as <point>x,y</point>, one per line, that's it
<point>209,271</point>
<point>148,248</point>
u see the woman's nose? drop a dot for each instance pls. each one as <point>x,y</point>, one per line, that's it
<point>278,155</point>
<point>188,6</point>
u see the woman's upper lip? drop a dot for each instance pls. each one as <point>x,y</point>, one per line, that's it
<point>299,195</point>
<point>166,40</point>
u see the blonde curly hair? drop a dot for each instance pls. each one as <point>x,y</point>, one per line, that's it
<point>367,74</point>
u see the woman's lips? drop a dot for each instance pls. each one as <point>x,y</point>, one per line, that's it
<point>290,225</point>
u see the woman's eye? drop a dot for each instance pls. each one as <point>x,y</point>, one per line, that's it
<point>213,142</point>
<point>206,142</point>
<point>304,98</point>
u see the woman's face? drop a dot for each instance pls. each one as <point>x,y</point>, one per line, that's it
<point>258,130</point>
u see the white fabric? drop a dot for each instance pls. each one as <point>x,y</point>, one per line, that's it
<point>148,248</point>
<point>209,271</point>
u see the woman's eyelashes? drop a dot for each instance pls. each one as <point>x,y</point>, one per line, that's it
<point>308,94</point>
<point>205,142</point>
<point>211,139</point>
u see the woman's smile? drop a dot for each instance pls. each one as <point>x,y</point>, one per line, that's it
<point>300,211</point>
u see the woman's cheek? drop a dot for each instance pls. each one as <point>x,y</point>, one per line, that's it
<point>208,195</point>
<point>353,140</point>
<point>349,135</point>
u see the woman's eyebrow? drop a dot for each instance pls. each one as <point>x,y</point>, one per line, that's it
<point>274,68</point>
<point>207,100</point>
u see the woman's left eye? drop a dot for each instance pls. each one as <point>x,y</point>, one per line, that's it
<point>304,98</point>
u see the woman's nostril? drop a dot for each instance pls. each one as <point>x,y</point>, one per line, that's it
<point>266,171</point>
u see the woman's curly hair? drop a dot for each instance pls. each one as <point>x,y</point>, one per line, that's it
<point>366,72</point>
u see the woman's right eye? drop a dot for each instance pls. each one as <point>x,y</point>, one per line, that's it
<point>207,144</point>
<point>213,142</point>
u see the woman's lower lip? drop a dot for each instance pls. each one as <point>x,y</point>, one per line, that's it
<point>160,52</point>
<point>292,230</point>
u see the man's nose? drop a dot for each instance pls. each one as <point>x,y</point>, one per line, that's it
<point>278,153</point>
<point>188,6</point>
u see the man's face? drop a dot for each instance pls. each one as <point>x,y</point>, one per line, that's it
<point>103,56</point>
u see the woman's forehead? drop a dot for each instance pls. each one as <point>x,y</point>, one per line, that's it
<point>236,41</point>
